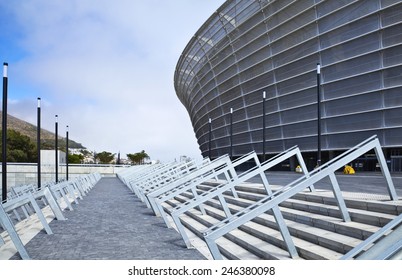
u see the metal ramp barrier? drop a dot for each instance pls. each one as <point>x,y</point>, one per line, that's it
<point>24,197</point>
<point>158,182</point>
<point>160,176</point>
<point>272,201</point>
<point>222,165</point>
<point>204,172</point>
<point>384,244</point>
<point>218,191</point>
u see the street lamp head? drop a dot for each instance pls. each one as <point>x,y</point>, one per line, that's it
<point>56,117</point>
<point>318,68</point>
<point>5,67</point>
<point>264,94</point>
<point>67,128</point>
<point>38,102</point>
<point>209,120</point>
<point>231,110</point>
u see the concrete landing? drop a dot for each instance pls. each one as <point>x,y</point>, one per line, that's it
<point>110,223</point>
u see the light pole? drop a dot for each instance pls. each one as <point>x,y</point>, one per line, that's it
<point>67,152</point>
<point>263,125</point>
<point>210,137</point>
<point>318,116</point>
<point>38,143</point>
<point>4,136</point>
<point>56,163</point>
<point>231,133</point>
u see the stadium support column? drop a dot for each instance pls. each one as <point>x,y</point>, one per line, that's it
<point>4,138</point>
<point>318,115</point>
<point>38,144</point>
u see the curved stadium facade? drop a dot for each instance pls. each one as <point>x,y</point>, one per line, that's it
<point>247,47</point>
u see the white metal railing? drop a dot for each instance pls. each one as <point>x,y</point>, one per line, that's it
<point>273,200</point>
<point>383,249</point>
<point>218,191</point>
<point>24,197</point>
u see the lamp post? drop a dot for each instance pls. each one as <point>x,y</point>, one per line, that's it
<point>318,115</point>
<point>56,163</point>
<point>67,152</point>
<point>4,137</point>
<point>263,125</point>
<point>210,137</point>
<point>231,133</point>
<point>38,144</point>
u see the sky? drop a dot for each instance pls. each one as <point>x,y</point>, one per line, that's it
<point>105,68</point>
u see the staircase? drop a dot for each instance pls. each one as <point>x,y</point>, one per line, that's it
<point>313,219</point>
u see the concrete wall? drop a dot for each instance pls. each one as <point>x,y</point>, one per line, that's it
<point>24,174</point>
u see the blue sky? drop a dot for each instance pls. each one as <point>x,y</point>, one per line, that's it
<point>105,67</point>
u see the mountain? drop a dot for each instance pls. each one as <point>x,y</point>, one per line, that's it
<point>30,130</point>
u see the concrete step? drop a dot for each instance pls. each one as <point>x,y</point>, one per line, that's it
<point>264,241</point>
<point>312,218</point>
<point>352,200</point>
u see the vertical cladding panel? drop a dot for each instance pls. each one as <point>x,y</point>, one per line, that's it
<point>296,68</point>
<point>393,77</point>
<point>349,31</point>
<point>392,35</point>
<point>393,117</point>
<point>301,129</point>
<point>393,97</point>
<point>308,143</point>
<point>348,14</point>
<point>357,47</point>
<point>386,3</point>
<point>299,114</point>
<point>295,53</point>
<point>279,31</point>
<point>354,122</point>
<point>301,35</point>
<point>355,85</point>
<point>258,83</point>
<point>297,99</point>
<point>283,14</point>
<point>355,103</point>
<point>249,47</point>
<point>226,74</point>
<point>256,70</point>
<point>353,67</point>
<point>343,141</point>
<point>392,137</point>
<point>392,56</point>
<point>392,15</point>
<point>254,58</point>
<point>297,83</point>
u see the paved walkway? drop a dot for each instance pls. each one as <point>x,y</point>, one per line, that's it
<point>110,223</point>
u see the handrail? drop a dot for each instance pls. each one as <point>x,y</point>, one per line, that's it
<point>373,238</point>
<point>273,200</point>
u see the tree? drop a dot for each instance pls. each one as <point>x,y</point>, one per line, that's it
<point>104,157</point>
<point>75,158</point>
<point>20,148</point>
<point>138,158</point>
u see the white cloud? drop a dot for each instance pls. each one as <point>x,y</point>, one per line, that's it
<point>107,70</point>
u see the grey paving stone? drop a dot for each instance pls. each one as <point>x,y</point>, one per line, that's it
<point>110,223</point>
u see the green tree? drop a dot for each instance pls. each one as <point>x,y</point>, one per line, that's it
<point>20,148</point>
<point>75,159</point>
<point>138,158</point>
<point>104,157</point>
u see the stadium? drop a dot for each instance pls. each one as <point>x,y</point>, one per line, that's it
<point>323,75</point>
